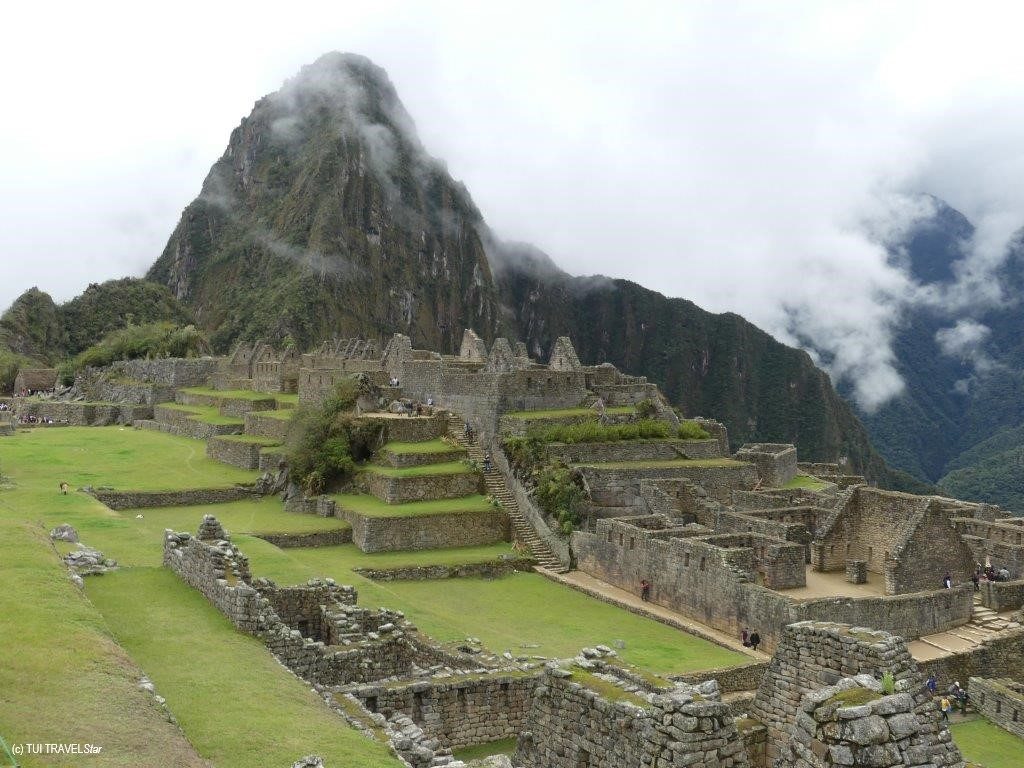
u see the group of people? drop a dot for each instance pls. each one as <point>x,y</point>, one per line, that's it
<point>30,419</point>
<point>5,406</point>
<point>955,695</point>
<point>32,392</point>
<point>988,573</point>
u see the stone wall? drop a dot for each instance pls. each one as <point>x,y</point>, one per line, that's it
<point>456,529</point>
<point>399,460</point>
<point>263,425</point>
<point>853,724</point>
<point>459,713</point>
<point>816,654</point>
<point>398,490</point>
<point>621,487</point>
<point>172,372</point>
<point>81,414</point>
<point>330,538</point>
<point>742,677</point>
<point>185,498</point>
<point>571,726</point>
<point>1002,595</point>
<point>1002,654</point>
<point>775,462</point>
<point>635,450</point>
<point>716,586</point>
<point>492,569</point>
<point>1000,700</point>
<point>244,454</point>
<point>410,429</point>
<point>1000,542</point>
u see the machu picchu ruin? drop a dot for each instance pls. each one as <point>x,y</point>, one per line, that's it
<point>816,604</point>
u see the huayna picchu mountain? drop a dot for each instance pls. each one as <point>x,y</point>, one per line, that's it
<point>326,217</point>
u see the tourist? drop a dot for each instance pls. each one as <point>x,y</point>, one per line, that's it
<point>946,708</point>
<point>645,590</point>
<point>64,487</point>
<point>933,684</point>
<point>487,462</point>
<point>469,431</point>
<point>947,581</point>
<point>745,637</point>
<point>755,640</point>
<point>1004,574</point>
<point>975,579</point>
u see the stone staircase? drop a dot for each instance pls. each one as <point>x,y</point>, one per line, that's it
<point>984,624</point>
<point>522,530</point>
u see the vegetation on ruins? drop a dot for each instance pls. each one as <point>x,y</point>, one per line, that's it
<point>10,362</point>
<point>646,409</point>
<point>161,339</point>
<point>325,442</point>
<point>560,494</point>
<point>593,431</point>
<point>692,430</point>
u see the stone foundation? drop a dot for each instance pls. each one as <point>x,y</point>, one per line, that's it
<point>398,490</point>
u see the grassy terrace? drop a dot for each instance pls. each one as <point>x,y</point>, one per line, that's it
<point>806,481</point>
<point>371,506</point>
<point>665,464</point>
<point>446,468</point>
<point>268,442</point>
<point>243,394</point>
<point>207,414</point>
<point>285,414</point>
<point>565,413</point>
<point>426,446</point>
<point>239,707</point>
<point>988,745</point>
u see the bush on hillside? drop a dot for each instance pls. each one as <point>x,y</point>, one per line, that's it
<point>691,430</point>
<point>152,340</point>
<point>646,409</point>
<point>324,442</point>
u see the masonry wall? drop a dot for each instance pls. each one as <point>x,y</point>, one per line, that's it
<point>1002,654</point>
<point>1002,595</point>
<point>237,453</point>
<point>932,549</point>
<point>1000,700</point>
<point>621,487</point>
<point>263,425</point>
<point>461,713</point>
<point>184,498</point>
<point>397,490</point>
<point>569,726</point>
<point>174,372</point>
<point>80,414</point>
<point>635,450</point>
<point>461,529</point>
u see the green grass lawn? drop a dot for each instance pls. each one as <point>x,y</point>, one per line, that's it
<point>503,747</point>
<point>208,414</point>
<point>120,457</point>
<point>230,394</point>
<point>426,446</point>
<point>510,613</point>
<point>239,707</point>
<point>62,677</point>
<point>806,481</point>
<point>371,506</point>
<point>563,413</point>
<point>987,744</point>
<point>661,464</point>
<point>445,468</point>
<point>284,414</point>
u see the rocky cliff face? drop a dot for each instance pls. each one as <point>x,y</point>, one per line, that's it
<point>325,217</point>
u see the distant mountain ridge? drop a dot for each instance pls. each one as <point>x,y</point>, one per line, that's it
<point>326,217</point>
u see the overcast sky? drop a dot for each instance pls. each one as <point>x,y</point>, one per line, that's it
<point>746,157</point>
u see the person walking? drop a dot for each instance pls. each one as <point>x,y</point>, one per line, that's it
<point>745,637</point>
<point>946,708</point>
<point>947,581</point>
<point>975,579</point>
<point>755,640</point>
<point>645,590</point>
<point>933,684</point>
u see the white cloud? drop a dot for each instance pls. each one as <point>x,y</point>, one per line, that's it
<point>753,158</point>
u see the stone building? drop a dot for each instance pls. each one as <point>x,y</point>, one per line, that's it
<point>35,380</point>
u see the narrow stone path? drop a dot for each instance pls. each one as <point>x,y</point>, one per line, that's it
<point>627,600</point>
<point>984,624</point>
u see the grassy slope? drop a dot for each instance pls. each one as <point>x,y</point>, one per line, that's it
<point>988,745</point>
<point>230,695</point>
<point>805,481</point>
<point>374,507</point>
<point>117,456</point>
<point>208,414</point>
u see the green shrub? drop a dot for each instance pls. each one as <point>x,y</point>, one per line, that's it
<point>325,442</point>
<point>560,494</point>
<point>593,431</point>
<point>10,362</point>
<point>888,683</point>
<point>524,453</point>
<point>645,409</point>
<point>139,341</point>
<point>691,430</point>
